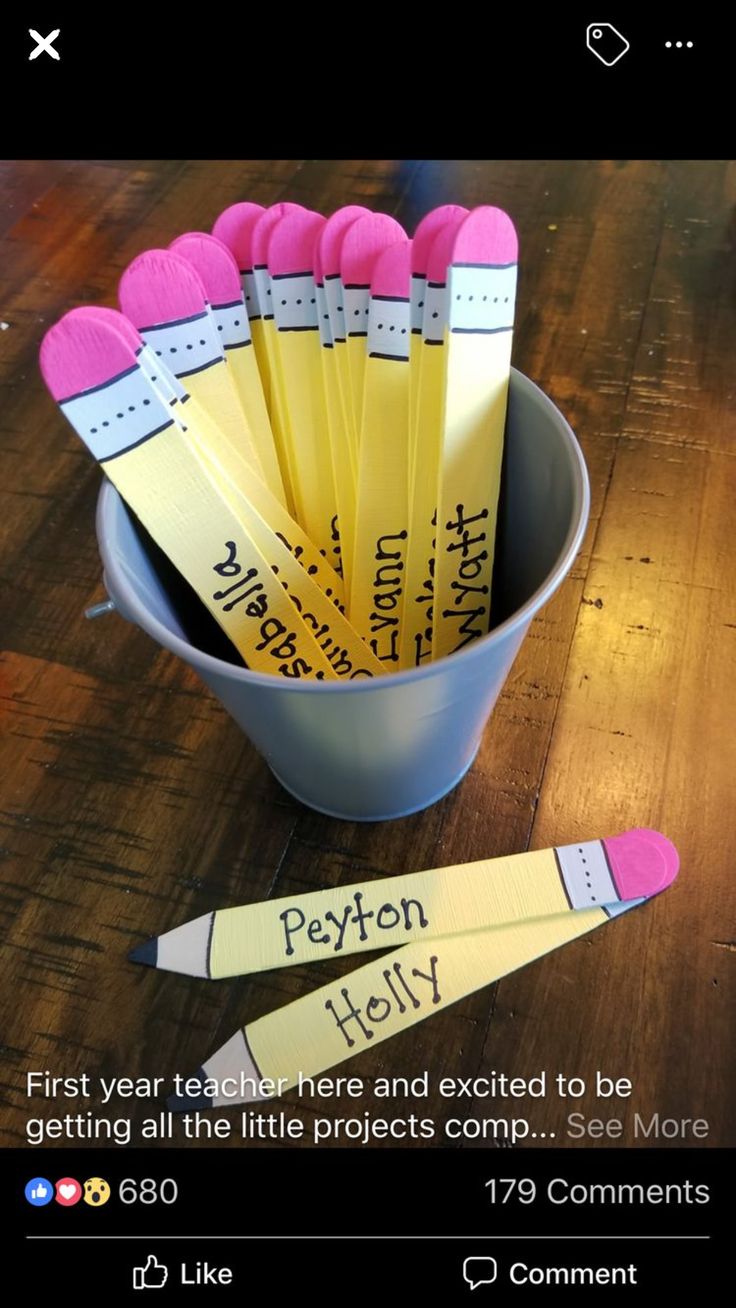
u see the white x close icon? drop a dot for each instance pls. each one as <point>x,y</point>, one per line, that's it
<point>44,43</point>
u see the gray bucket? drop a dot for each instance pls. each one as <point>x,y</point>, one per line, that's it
<point>368,750</point>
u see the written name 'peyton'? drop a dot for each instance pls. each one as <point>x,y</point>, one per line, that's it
<point>333,927</point>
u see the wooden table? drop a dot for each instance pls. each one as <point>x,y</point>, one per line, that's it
<point>131,802</point>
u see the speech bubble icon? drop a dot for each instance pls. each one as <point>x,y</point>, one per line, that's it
<point>479,1271</point>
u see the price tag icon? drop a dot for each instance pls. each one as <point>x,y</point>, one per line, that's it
<point>606,43</point>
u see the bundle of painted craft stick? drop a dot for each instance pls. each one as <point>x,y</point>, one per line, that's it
<point>307,416</point>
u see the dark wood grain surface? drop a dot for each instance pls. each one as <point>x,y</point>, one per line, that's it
<point>130,802</point>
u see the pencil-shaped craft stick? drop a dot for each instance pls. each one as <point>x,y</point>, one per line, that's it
<point>419,906</point>
<point>307,587</point>
<point>294,299</point>
<point>361,245</point>
<point>348,656</point>
<point>422,241</point>
<point>221,280</point>
<point>329,248</point>
<point>390,994</point>
<point>165,299</point>
<point>93,373</point>
<point>381,525</point>
<point>234,227</point>
<point>342,469</point>
<point>481,296</point>
<point>231,465</point>
<point>428,362</point>
<point>259,239</point>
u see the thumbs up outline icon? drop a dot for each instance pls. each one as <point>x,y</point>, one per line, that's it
<point>151,1277</point>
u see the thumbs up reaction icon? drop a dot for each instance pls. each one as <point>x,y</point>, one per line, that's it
<point>151,1277</point>
<point>39,1192</point>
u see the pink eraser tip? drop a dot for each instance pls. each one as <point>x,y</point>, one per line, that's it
<point>440,253</point>
<point>79,353</point>
<point>424,237</point>
<point>235,228</point>
<point>333,234</point>
<point>364,241</point>
<point>114,317</point>
<point>159,287</point>
<point>262,230</point>
<point>642,862</point>
<point>486,236</point>
<point>392,271</point>
<point>215,264</point>
<point>291,247</point>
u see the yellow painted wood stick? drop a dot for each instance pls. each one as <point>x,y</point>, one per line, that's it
<point>307,578</point>
<point>340,443</point>
<point>429,363</point>
<point>262,293</point>
<point>165,299</point>
<point>394,992</point>
<point>216,267</point>
<point>481,295</point>
<point>419,906</point>
<point>294,298</point>
<point>362,243</point>
<point>234,227</point>
<point>422,241</point>
<point>228,466</point>
<point>381,522</point>
<point>329,250</point>
<point>341,645</point>
<point>92,372</point>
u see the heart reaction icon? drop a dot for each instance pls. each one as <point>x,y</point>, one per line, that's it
<point>68,1192</point>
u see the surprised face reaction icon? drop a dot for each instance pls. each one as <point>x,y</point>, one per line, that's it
<point>96,1192</point>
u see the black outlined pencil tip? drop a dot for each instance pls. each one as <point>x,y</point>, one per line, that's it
<point>146,953</point>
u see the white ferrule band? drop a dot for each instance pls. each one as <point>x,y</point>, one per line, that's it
<point>435,313</point>
<point>262,283</point>
<point>481,299</point>
<point>231,323</point>
<point>250,295</point>
<point>155,371</point>
<point>323,317</point>
<point>388,328</point>
<point>294,302</point>
<point>185,346</point>
<point>586,875</point>
<point>112,418</point>
<point>356,301</point>
<point>335,307</point>
<point>416,297</point>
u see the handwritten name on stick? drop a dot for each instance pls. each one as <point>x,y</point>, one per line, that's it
<point>470,600</point>
<point>410,913</point>
<point>397,997</point>
<point>275,637</point>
